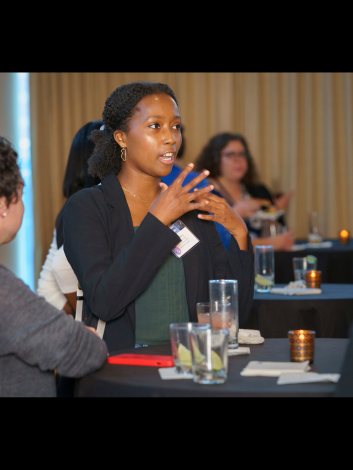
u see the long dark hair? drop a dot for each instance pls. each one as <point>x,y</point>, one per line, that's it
<point>118,110</point>
<point>210,157</point>
<point>76,174</point>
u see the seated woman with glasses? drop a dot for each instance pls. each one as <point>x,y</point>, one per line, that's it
<point>233,174</point>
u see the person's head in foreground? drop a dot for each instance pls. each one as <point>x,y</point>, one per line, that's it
<point>36,339</point>
<point>11,189</point>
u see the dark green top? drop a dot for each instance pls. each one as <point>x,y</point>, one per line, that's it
<point>162,303</point>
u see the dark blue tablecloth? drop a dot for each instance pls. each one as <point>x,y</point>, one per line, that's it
<point>335,263</point>
<point>138,381</point>
<point>329,314</point>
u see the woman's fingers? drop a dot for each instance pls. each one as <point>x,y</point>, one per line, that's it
<point>163,186</point>
<point>198,193</point>
<point>206,216</point>
<point>201,206</point>
<point>180,179</point>
<point>194,182</point>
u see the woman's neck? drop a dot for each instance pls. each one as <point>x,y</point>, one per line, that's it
<point>140,184</point>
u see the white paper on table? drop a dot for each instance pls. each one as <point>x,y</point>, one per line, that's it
<point>307,377</point>
<point>250,337</point>
<point>274,369</point>
<point>238,352</point>
<point>169,373</point>
<point>304,246</point>
<point>294,291</point>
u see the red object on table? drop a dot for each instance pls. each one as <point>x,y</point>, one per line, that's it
<point>142,360</point>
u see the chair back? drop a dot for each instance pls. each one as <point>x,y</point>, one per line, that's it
<point>79,312</point>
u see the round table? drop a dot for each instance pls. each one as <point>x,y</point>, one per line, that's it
<point>138,381</point>
<point>335,263</point>
<point>329,314</point>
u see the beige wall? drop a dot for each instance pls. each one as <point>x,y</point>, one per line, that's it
<point>298,125</point>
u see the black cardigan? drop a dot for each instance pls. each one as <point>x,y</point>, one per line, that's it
<point>114,265</point>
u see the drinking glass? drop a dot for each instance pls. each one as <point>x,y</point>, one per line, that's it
<point>311,263</point>
<point>179,335</point>
<point>299,268</point>
<point>316,227</point>
<point>203,312</point>
<point>225,292</point>
<point>209,351</point>
<point>271,228</point>
<point>264,268</point>
<point>220,315</point>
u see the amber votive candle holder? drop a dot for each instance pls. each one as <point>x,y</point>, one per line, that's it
<point>313,279</point>
<point>301,345</point>
<point>344,237</point>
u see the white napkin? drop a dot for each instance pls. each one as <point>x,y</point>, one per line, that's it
<point>249,337</point>
<point>296,285</point>
<point>308,377</point>
<point>304,246</point>
<point>274,369</point>
<point>238,352</point>
<point>295,291</point>
<point>169,373</point>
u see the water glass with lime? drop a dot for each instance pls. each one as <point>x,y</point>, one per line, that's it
<point>264,268</point>
<point>209,352</point>
<point>311,263</point>
<point>181,349</point>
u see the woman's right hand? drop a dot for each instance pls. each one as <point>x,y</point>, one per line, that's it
<point>247,207</point>
<point>281,242</point>
<point>285,241</point>
<point>175,200</point>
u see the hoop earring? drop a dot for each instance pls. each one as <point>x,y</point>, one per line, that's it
<point>123,154</point>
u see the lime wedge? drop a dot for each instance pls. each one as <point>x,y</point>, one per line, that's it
<point>217,363</point>
<point>263,281</point>
<point>197,353</point>
<point>184,355</point>
<point>311,259</point>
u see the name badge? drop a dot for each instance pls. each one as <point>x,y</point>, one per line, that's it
<point>188,239</point>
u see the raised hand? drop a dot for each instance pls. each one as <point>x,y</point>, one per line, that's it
<point>282,202</point>
<point>285,241</point>
<point>223,213</point>
<point>247,207</point>
<point>175,200</point>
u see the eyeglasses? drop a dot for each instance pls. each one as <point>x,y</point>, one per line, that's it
<point>234,155</point>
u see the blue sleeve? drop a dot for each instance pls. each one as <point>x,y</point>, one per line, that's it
<point>168,180</point>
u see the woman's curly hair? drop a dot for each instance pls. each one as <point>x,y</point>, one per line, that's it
<point>118,110</point>
<point>210,157</point>
<point>10,174</point>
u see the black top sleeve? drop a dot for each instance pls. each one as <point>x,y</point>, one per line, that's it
<point>111,284</point>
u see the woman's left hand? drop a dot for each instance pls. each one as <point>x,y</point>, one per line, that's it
<point>282,202</point>
<point>222,213</point>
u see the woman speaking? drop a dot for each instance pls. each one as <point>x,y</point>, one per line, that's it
<point>119,235</point>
